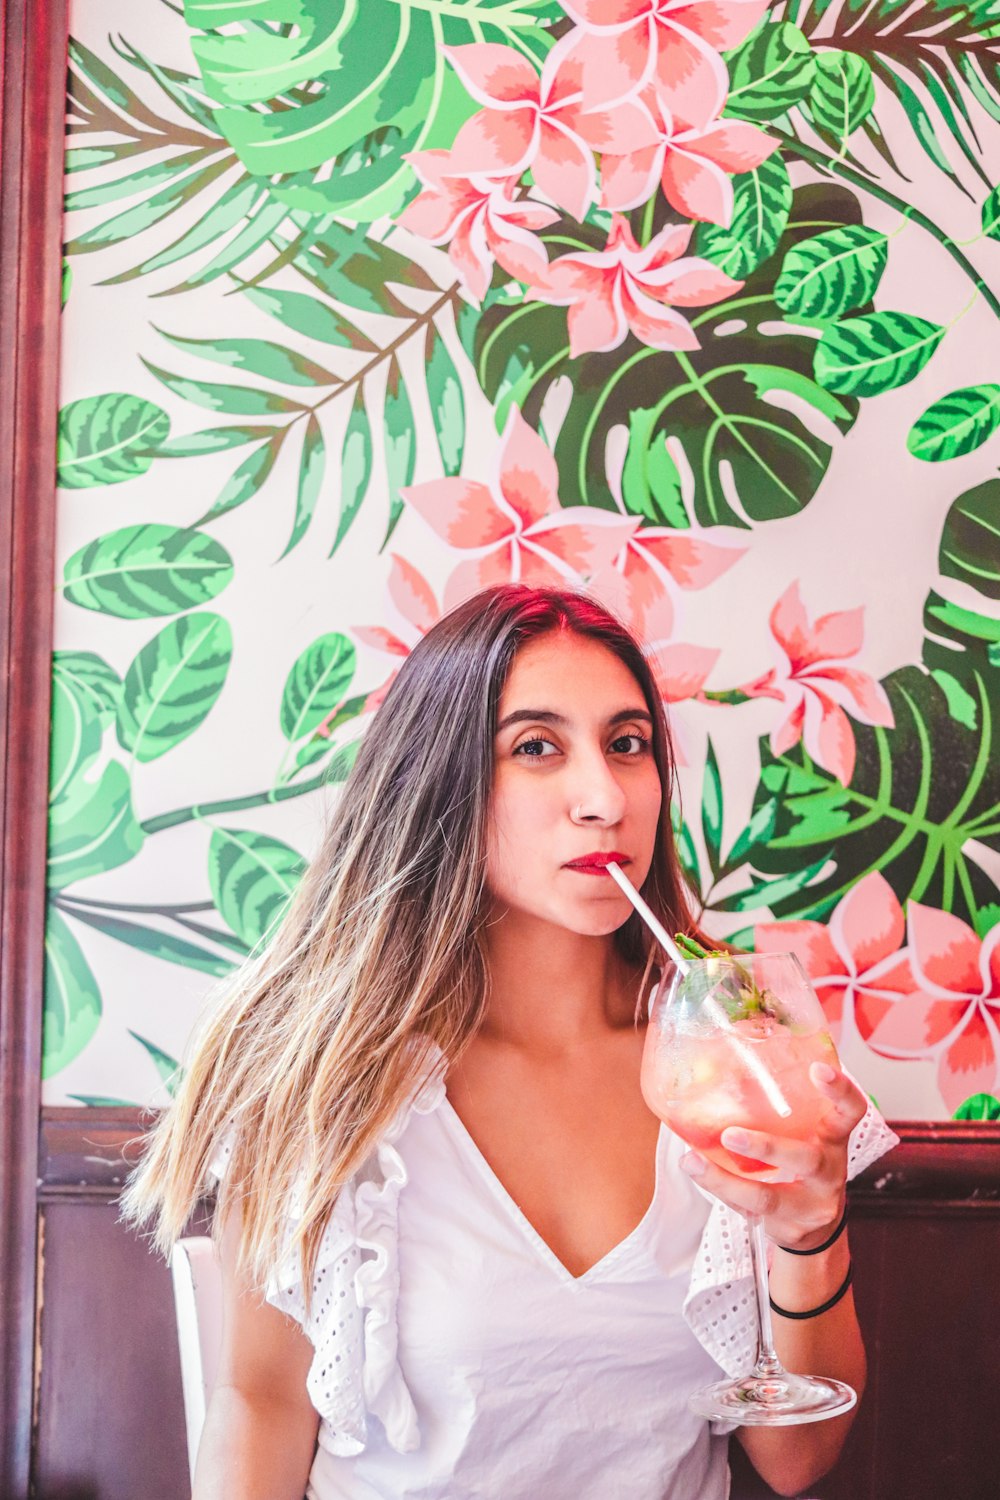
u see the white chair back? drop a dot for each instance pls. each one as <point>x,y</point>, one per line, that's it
<point>197,1278</point>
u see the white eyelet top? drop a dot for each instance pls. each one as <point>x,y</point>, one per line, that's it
<point>457,1357</point>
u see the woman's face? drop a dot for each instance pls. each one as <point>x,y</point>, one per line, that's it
<point>575,780</point>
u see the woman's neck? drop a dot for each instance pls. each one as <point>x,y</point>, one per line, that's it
<point>553,990</point>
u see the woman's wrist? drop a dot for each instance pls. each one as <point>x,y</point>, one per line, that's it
<point>800,1283</point>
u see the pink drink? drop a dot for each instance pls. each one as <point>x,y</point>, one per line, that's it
<point>699,1083</point>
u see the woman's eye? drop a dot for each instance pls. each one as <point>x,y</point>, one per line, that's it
<point>534,749</point>
<point>630,744</point>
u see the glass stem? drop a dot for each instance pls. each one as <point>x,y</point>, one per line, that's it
<point>768,1362</point>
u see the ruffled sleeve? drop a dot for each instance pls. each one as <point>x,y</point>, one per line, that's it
<point>720,1307</point>
<point>352,1318</point>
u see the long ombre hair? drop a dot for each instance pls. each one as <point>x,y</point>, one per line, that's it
<point>316,1043</point>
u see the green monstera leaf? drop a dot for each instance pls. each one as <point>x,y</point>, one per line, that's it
<point>72,1007</point>
<point>923,794</point>
<point>729,414</point>
<point>252,879</point>
<point>969,543</point>
<point>324,98</point>
<point>962,645</point>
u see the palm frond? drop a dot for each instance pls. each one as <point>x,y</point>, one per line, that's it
<point>940,60</point>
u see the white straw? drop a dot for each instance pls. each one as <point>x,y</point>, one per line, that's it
<point>656,927</point>
<point>747,1056</point>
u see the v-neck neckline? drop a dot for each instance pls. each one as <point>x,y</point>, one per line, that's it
<point>541,1246</point>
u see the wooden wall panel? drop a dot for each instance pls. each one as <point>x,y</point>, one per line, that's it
<point>32,75</point>
<point>925,1234</point>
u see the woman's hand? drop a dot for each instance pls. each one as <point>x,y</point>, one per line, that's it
<point>802,1208</point>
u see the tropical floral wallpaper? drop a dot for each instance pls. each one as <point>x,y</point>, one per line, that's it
<point>694,304</point>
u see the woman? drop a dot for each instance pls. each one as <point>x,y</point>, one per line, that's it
<point>488,1270</point>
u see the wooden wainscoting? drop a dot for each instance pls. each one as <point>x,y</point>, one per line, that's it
<point>925,1231</point>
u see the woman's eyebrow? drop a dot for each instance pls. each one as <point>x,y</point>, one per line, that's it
<point>546,716</point>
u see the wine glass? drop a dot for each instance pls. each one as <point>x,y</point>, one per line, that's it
<point>729,1042</point>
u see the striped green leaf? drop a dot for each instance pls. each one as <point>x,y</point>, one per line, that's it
<point>170,1071</point>
<point>316,684</point>
<point>241,400</point>
<point>842,93</point>
<point>72,1005</point>
<point>149,175</point>
<point>252,879</point>
<point>772,70</point>
<point>832,272</point>
<point>991,215</point>
<point>970,542</point>
<point>139,217</point>
<point>956,424</point>
<point>355,467</point>
<point>107,439</point>
<point>310,315</point>
<point>142,571</point>
<point>77,728</point>
<point>880,352</point>
<point>312,466</point>
<point>92,827</point>
<point>400,442</point>
<point>978,1107</point>
<point>247,478</point>
<point>447,405</point>
<point>163,945</point>
<point>173,684</point>
<point>711,809</point>
<point>93,678</point>
<point>762,200</point>
<point>213,440</point>
<point>234,207</point>
<point>257,357</point>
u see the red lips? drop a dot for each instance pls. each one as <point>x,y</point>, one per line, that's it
<point>597,863</point>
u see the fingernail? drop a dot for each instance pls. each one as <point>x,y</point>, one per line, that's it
<point>823,1072</point>
<point>735,1137</point>
<point>693,1164</point>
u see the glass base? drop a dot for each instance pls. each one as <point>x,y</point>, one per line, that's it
<point>773,1400</point>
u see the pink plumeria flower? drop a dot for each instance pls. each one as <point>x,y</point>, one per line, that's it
<point>414,598</point>
<point>681,669</point>
<point>624,45</point>
<point>692,160</point>
<point>856,963</point>
<point>639,596</point>
<point>816,687</point>
<point>538,122</point>
<point>956,1014</point>
<point>515,523</point>
<point>637,584</point>
<point>480,221</point>
<point>624,288</point>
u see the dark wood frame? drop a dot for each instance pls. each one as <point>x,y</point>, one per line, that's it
<point>33,39</point>
<point>62,1154</point>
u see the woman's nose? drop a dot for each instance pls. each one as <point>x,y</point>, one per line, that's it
<point>596,796</point>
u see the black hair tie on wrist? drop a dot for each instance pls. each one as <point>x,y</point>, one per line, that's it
<point>814,1312</point>
<point>818,1249</point>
